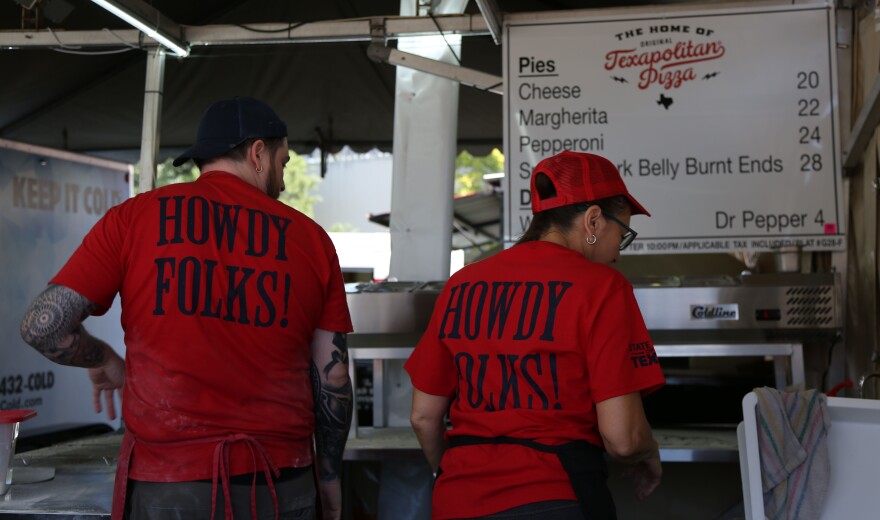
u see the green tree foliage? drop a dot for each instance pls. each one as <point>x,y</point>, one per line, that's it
<point>168,174</point>
<point>342,227</point>
<point>298,183</point>
<point>469,171</point>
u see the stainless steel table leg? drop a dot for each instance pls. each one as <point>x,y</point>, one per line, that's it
<point>378,393</point>
<point>797,366</point>
<point>780,372</point>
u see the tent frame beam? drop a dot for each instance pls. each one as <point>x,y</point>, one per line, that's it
<point>330,31</point>
<point>152,22</point>
<point>469,77</point>
<point>494,18</point>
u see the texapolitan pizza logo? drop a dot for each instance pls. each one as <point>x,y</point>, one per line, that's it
<point>665,56</point>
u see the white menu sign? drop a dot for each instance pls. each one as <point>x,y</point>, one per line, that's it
<point>723,122</point>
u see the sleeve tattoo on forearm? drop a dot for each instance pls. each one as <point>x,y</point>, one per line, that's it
<point>340,355</point>
<point>333,409</point>
<point>52,317</point>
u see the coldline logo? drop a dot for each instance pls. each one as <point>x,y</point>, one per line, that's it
<point>715,312</point>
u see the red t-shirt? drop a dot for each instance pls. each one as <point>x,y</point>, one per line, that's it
<point>222,288</point>
<point>525,343</point>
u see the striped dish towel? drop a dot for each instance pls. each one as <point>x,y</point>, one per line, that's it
<point>793,444</point>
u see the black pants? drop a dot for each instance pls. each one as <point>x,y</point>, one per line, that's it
<point>550,510</point>
<point>192,500</point>
<point>584,463</point>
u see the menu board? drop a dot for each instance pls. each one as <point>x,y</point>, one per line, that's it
<point>723,123</point>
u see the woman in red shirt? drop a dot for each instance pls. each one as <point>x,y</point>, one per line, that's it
<point>541,357</point>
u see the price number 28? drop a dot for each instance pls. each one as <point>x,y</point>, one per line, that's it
<point>808,133</point>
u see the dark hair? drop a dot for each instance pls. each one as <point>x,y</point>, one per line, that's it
<point>239,153</point>
<point>563,216</point>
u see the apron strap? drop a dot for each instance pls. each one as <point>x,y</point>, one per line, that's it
<point>583,462</point>
<point>261,459</point>
<point>120,488</point>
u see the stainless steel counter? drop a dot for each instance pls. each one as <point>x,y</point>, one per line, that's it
<point>82,486</point>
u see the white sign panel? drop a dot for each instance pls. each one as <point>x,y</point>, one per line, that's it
<point>723,123</point>
<point>47,205</point>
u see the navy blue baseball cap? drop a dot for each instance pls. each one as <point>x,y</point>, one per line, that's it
<point>230,122</point>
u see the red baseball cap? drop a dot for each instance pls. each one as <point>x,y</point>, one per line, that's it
<point>580,177</point>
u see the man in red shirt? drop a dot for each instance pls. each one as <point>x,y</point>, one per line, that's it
<point>235,318</point>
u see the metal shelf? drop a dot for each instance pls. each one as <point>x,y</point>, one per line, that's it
<point>778,351</point>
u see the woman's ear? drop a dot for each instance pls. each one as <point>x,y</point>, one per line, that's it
<point>592,220</point>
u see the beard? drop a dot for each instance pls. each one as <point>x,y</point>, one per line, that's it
<point>275,183</point>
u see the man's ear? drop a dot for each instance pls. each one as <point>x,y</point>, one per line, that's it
<point>255,154</point>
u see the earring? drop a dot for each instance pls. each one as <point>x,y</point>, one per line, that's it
<point>260,169</point>
<point>592,240</point>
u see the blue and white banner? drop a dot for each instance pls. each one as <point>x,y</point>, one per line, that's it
<point>48,202</point>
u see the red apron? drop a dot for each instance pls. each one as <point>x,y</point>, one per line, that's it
<point>262,461</point>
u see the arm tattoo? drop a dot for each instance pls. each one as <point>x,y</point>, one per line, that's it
<point>333,408</point>
<point>340,355</point>
<point>52,318</point>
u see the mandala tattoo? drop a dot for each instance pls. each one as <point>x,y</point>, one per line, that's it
<point>52,318</point>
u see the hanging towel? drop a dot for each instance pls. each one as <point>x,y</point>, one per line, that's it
<point>793,444</point>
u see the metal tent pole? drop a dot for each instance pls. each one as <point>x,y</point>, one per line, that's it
<point>152,117</point>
